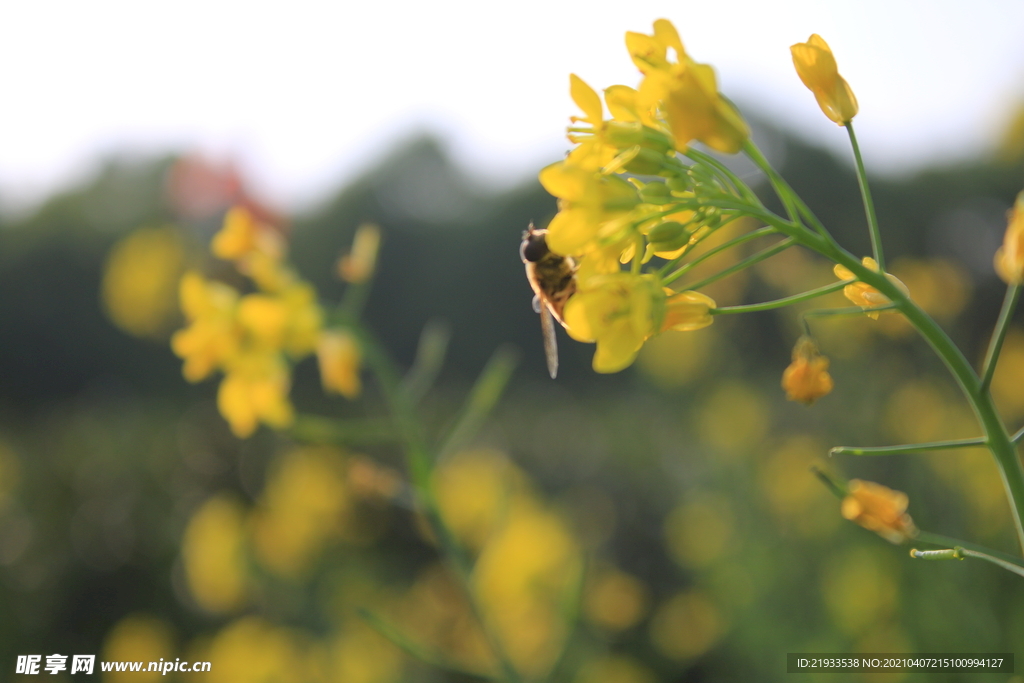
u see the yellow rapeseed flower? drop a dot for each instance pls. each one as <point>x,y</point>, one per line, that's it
<point>339,357</point>
<point>807,379</point>
<point>880,509</point>
<point>817,69</point>
<point>863,294</point>
<point>255,389</point>
<point>242,234</point>
<point>619,311</point>
<point>685,91</point>
<point>212,335</point>
<point>1009,260</point>
<point>589,203</point>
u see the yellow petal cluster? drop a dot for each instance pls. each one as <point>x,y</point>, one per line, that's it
<point>617,311</point>
<point>339,356</point>
<point>863,294</point>
<point>254,338</point>
<point>817,69</point>
<point>685,91</point>
<point>807,379</point>
<point>879,509</point>
<point>1009,260</point>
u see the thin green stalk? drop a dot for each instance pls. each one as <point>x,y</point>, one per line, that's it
<point>959,553</point>
<point>357,431</point>
<point>419,462</point>
<point>745,263</point>
<point>724,170</point>
<point>942,540</point>
<point>782,191</point>
<point>430,354</point>
<point>908,448</point>
<point>760,232</point>
<point>869,205</point>
<point>416,650</point>
<point>999,334</point>
<point>1018,436</point>
<point>847,310</point>
<point>779,303</point>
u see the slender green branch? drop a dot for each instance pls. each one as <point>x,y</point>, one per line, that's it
<point>429,358</point>
<point>869,205</point>
<point>909,448</point>
<point>782,190</point>
<point>848,310</point>
<point>1018,436</point>
<point>419,462</point>
<point>482,399</point>
<point>836,488</point>
<point>999,334</point>
<point>942,540</point>
<point>959,553</point>
<point>779,303</point>
<point>724,170</point>
<point>745,263</point>
<point>736,241</point>
<point>416,650</point>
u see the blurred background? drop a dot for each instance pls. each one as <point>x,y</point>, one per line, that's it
<point>661,524</point>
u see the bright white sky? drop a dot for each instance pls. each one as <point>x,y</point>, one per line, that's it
<point>306,94</point>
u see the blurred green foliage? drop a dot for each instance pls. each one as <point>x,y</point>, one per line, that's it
<point>690,473</point>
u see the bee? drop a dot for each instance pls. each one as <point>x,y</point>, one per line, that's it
<point>553,279</point>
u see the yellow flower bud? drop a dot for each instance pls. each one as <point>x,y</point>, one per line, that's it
<point>817,69</point>
<point>358,265</point>
<point>686,311</point>
<point>863,294</point>
<point>338,354</point>
<point>879,509</point>
<point>807,379</point>
<point>1009,260</point>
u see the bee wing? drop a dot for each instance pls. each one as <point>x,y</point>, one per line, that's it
<point>547,327</point>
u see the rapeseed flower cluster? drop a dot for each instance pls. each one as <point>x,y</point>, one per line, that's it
<point>254,338</point>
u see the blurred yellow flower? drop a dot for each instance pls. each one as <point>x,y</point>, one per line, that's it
<point>522,578</point>
<point>686,91</point>
<point>137,638</point>
<point>614,669</point>
<point>252,649</point>
<point>212,335</point>
<point>687,625</point>
<point>879,509</point>
<point>865,295</point>
<point>617,311</point>
<point>302,507</point>
<point>614,599</point>
<point>243,234</point>
<point>1009,260</point>
<point>255,389</point>
<point>140,281</point>
<point>338,354</point>
<point>213,554</point>
<point>358,265</point>
<point>806,379</point>
<point>817,69</point>
<point>473,489</point>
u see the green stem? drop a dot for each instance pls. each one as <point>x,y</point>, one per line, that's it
<point>940,539</point>
<point>962,550</point>
<point>745,263</point>
<point>760,232</point>
<point>1018,436</point>
<point>869,205</point>
<point>848,310</point>
<point>723,170</point>
<point>419,462</point>
<point>416,650</point>
<point>358,431</point>
<point>782,191</point>
<point>779,303</point>
<point>999,334</point>
<point>908,448</point>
